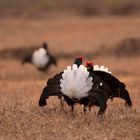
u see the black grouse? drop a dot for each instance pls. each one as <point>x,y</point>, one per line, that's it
<point>87,86</point>
<point>76,86</point>
<point>41,58</point>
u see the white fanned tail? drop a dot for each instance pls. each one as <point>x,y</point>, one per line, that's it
<point>40,58</point>
<point>75,82</point>
<point>101,68</point>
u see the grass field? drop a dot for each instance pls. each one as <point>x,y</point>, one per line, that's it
<point>21,86</point>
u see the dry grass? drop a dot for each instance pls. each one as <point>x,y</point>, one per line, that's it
<point>21,121</point>
<point>21,86</point>
<point>21,118</point>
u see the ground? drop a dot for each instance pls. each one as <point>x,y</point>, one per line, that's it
<point>21,86</point>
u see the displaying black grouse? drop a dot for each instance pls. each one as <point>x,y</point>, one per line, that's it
<point>41,58</point>
<point>76,86</point>
<point>83,85</point>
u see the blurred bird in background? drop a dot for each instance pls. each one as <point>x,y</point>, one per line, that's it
<point>41,58</point>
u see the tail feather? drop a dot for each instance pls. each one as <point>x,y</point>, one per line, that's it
<point>46,93</point>
<point>52,89</point>
<point>75,82</point>
<point>101,68</point>
<point>125,95</point>
<point>43,97</point>
<point>40,58</point>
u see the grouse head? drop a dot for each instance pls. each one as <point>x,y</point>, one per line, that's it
<point>89,66</point>
<point>78,61</point>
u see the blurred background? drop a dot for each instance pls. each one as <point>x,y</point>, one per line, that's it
<point>102,31</point>
<point>45,8</point>
<point>106,32</point>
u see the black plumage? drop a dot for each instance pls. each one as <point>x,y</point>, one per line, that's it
<point>118,88</point>
<point>52,89</point>
<point>108,86</point>
<point>99,94</point>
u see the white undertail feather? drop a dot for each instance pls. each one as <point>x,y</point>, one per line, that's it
<point>101,68</point>
<point>40,58</point>
<point>75,82</point>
